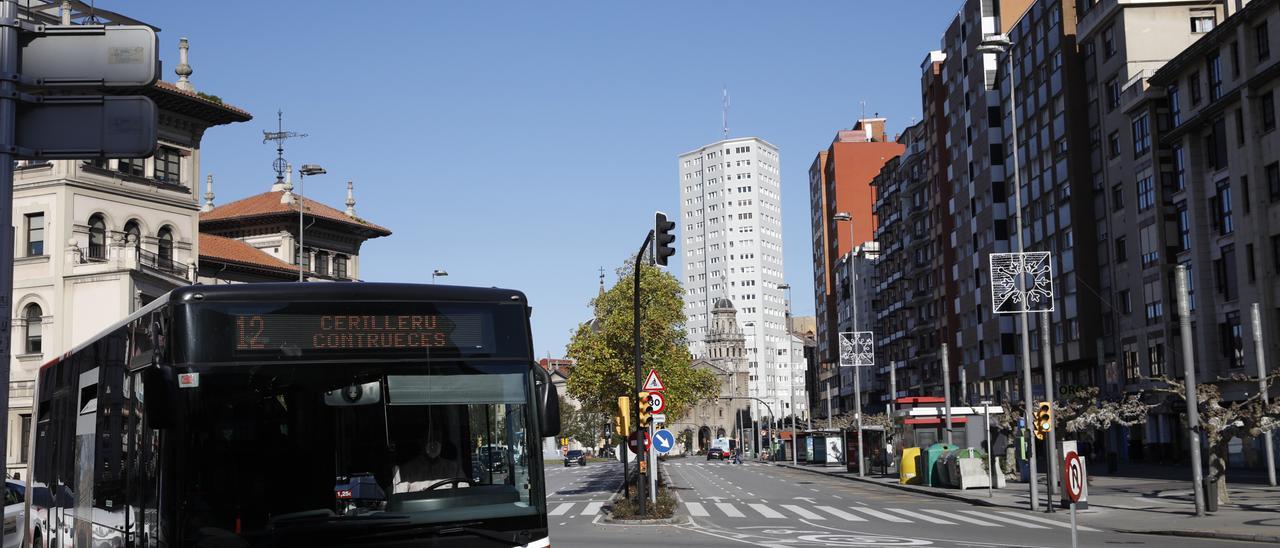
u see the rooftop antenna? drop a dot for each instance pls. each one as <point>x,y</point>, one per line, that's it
<point>724,111</point>
<point>280,136</point>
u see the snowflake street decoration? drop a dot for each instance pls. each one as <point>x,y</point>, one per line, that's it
<point>1021,282</point>
<point>857,349</point>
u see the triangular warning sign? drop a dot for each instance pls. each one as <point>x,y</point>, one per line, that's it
<point>653,382</point>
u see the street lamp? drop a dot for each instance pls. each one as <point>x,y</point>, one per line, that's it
<point>755,434</point>
<point>307,169</point>
<point>438,273</point>
<point>1000,44</point>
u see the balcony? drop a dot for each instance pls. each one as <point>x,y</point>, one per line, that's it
<point>114,257</point>
<point>167,265</point>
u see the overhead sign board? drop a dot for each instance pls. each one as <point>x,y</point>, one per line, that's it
<point>91,56</point>
<point>653,382</point>
<point>78,127</point>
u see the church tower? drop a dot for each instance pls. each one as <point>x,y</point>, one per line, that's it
<point>725,342</point>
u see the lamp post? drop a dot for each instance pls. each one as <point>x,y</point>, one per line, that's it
<point>999,44</point>
<point>755,435</point>
<point>307,169</point>
<point>438,273</point>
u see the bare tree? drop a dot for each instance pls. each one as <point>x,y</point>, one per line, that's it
<point>1246,419</point>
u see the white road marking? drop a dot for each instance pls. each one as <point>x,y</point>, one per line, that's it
<point>959,517</point>
<point>921,516</point>
<point>696,509</point>
<point>592,508</point>
<point>882,515</point>
<point>841,514</point>
<point>560,510</point>
<point>1048,521</point>
<point>766,511</point>
<point>729,510</point>
<point>1011,521</point>
<point>802,512</point>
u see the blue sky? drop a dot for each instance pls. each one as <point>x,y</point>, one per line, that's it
<point>526,145</point>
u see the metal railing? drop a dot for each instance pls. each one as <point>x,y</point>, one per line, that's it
<point>161,263</point>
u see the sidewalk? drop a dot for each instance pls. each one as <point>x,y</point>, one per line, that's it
<point>1126,504</point>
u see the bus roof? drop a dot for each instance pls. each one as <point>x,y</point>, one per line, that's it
<point>337,291</point>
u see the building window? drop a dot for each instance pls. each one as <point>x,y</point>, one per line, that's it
<point>133,234</point>
<point>1267,107</point>
<point>1184,227</point>
<point>1146,193</point>
<point>135,167</point>
<point>1250,272</point>
<point>1233,341</point>
<point>34,319</point>
<point>1179,170</point>
<point>1223,201</point>
<point>97,238</point>
<point>1213,67</point>
<point>1132,370</point>
<point>1193,84</point>
<point>1216,145</point>
<point>35,234</point>
<point>1273,180</point>
<point>1113,94</point>
<point>1141,135</point>
<point>164,247</point>
<point>1117,197</point>
<point>1226,272</point>
<point>1155,356</point>
<point>1113,144</point>
<point>168,165</point>
<point>1202,20</point>
<point>1175,109</point>
<point>340,267</point>
<point>1109,42</point>
<point>303,259</point>
<point>1149,244</point>
<point>322,263</point>
<point>26,437</point>
<point>1262,42</point>
<point>1122,252</point>
<point>1154,302</point>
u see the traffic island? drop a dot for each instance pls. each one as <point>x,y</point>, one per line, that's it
<point>623,510</point>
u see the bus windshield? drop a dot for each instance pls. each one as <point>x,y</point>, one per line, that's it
<point>279,451</point>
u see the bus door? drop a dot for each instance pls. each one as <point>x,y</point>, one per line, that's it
<point>86,425</point>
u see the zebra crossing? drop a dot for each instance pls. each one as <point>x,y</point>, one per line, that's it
<point>716,509</point>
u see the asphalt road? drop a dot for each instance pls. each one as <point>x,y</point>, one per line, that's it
<point>761,505</point>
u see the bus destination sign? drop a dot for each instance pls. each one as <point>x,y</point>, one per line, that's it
<point>343,332</point>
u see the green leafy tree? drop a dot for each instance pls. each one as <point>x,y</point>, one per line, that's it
<point>581,425</point>
<point>605,350</point>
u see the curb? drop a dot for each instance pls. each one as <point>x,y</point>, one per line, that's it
<point>908,488</point>
<point>675,519</point>
<point>1204,534</point>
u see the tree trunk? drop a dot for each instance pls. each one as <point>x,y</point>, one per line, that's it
<point>1218,470</point>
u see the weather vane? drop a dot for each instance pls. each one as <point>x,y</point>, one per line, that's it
<point>280,136</point>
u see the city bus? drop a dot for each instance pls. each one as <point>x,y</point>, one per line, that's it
<point>299,414</point>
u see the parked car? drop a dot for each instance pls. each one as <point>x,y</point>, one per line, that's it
<point>15,494</point>
<point>718,453</point>
<point>575,455</point>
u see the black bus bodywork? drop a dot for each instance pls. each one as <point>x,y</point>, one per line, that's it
<point>319,414</point>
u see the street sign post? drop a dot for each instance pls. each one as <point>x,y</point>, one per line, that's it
<point>664,441</point>
<point>1073,483</point>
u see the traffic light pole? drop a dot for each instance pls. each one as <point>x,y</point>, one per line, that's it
<point>1051,455</point>
<point>8,113</point>
<point>640,446</point>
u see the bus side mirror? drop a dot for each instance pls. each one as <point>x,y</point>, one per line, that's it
<point>160,385</point>
<point>548,403</point>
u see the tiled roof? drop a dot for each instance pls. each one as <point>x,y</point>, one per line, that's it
<point>173,88</point>
<point>268,204</point>
<point>235,251</point>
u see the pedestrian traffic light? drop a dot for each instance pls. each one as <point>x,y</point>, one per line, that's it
<point>663,238</point>
<point>644,408</point>
<point>1043,419</point>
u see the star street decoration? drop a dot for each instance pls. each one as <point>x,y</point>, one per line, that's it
<point>857,349</point>
<point>1021,282</point>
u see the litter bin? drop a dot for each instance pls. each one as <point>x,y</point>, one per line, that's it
<point>907,472</point>
<point>931,457</point>
<point>1210,494</point>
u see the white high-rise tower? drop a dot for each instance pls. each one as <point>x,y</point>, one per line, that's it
<point>731,240</point>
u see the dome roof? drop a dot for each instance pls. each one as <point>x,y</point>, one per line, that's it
<point>722,304</point>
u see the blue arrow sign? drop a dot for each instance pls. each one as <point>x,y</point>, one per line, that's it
<point>664,441</point>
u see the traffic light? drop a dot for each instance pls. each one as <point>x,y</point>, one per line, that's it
<point>622,423</point>
<point>663,237</point>
<point>1043,419</point>
<point>644,408</point>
